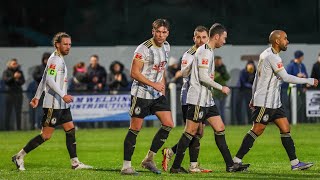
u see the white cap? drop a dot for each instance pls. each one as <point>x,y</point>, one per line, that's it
<point>173,60</point>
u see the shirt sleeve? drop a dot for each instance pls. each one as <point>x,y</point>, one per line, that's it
<point>203,66</point>
<point>275,63</point>
<point>186,64</point>
<point>51,73</point>
<point>141,54</point>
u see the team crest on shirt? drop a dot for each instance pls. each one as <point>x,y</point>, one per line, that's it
<point>204,61</point>
<point>137,110</point>
<point>53,121</point>
<point>200,114</point>
<point>265,118</point>
<point>280,65</point>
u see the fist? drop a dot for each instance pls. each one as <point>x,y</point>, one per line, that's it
<point>67,98</point>
<point>225,90</point>
<point>315,82</point>
<point>34,102</point>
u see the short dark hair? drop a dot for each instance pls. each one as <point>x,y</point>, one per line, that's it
<point>161,22</point>
<point>216,28</point>
<point>217,57</point>
<point>95,56</point>
<point>57,37</point>
<point>200,29</point>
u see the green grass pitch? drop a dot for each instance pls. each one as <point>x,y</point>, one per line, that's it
<point>103,149</point>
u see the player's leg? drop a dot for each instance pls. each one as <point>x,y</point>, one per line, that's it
<point>46,133</point>
<point>288,144</point>
<point>158,140</point>
<point>69,129</point>
<point>184,142</point>
<point>138,110</point>
<point>256,130</point>
<point>168,152</point>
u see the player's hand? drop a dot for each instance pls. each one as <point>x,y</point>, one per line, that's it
<point>67,98</point>
<point>34,102</point>
<point>251,105</point>
<point>158,86</point>
<point>225,90</point>
<point>315,82</point>
<point>17,75</point>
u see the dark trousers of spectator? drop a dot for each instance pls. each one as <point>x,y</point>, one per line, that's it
<point>221,103</point>
<point>285,100</point>
<point>13,103</point>
<point>244,112</point>
<point>301,106</point>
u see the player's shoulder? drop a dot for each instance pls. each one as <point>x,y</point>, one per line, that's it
<point>191,50</point>
<point>268,55</point>
<point>55,57</point>
<point>147,44</point>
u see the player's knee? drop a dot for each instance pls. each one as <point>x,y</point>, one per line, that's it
<point>219,128</point>
<point>168,124</point>
<point>45,136</point>
<point>285,130</point>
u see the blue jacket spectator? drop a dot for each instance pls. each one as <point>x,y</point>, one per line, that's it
<point>296,68</point>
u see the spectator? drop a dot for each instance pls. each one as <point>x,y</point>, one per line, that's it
<point>297,68</point>
<point>315,73</point>
<point>79,80</point>
<point>117,80</point>
<point>221,76</point>
<point>245,92</point>
<point>14,79</point>
<point>38,71</point>
<point>97,75</point>
<point>36,113</point>
<point>174,74</point>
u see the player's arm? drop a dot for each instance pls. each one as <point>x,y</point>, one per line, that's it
<point>186,64</point>
<point>136,68</point>
<point>52,68</point>
<point>278,68</point>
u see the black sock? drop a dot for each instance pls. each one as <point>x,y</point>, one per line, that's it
<point>247,144</point>
<point>194,148</point>
<point>33,143</point>
<point>174,148</point>
<point>160,138</point>
<point>71,143</point>
<point>288,144</point>
<point>223,147</point>
<point>182,146</point>
<point>129,144</point>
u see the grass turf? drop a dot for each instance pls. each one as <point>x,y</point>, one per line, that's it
<point>103,149</point>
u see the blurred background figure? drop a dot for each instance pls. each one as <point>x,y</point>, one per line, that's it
<point>79,80</point>
<point>36,114</point>
<point>315,73</point>
<point>221,76</point>
<point>117,79</point>
<point>245,93</point>
<point>173,74</point>
<point>97,74</point>
<point>296,68</point>
<point>14,79</point>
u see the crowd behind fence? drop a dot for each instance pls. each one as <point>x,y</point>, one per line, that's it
<point>236,110</point>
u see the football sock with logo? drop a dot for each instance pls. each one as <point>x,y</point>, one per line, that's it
<point>223,147</point>
<point>71,143</point>
<point>160,138</point>
<point>129,144</point>
<point>33,143</point>
<point>288,144</point>
<point>183,144</point>
<point>194,148</point>
<point>247,144</point>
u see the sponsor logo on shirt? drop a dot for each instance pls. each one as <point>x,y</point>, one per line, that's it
<point>52,66</point>
<point>280,65</point>
<point>159,67</point>
<point>184,62</point>
<point>138,56</point>
<point>204,61</point>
